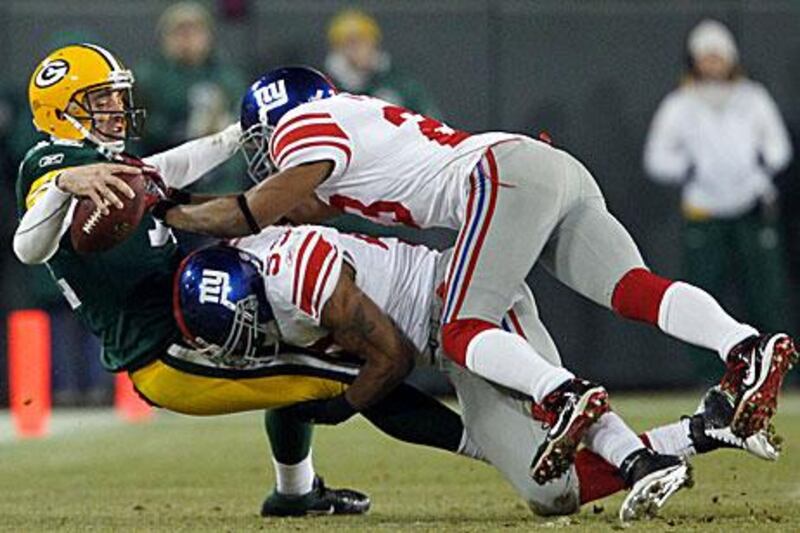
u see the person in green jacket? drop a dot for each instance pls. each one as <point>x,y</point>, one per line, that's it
<point>358,64</point>
<point>189,91</point>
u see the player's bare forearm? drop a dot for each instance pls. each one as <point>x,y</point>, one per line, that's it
<point>387,363</point>
<point>220,217</point>
<point>312,211</point>
<point>268,202</point>
<point>360,327</point>
<point>274,198</point>
<point>198,199</point>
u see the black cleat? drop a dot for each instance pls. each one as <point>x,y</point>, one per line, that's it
<point>652,478</point>
<point>320,501</point>
<point>568,411</point>
<point>753,378</point>
<point>710,429</point>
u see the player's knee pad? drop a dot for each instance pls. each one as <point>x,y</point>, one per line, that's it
<point>638,295</point>
<point>456,336</point>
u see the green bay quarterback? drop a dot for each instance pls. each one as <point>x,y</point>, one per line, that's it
<point>81,96</point>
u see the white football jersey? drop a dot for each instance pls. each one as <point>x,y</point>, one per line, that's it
<point>302,266</point>
<point>391,165</point>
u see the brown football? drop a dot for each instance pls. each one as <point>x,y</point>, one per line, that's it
<point>92,232</point>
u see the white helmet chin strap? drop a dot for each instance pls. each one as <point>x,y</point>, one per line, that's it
<point>109,149</point>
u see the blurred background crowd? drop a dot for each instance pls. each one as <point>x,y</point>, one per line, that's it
<point>685,111</point>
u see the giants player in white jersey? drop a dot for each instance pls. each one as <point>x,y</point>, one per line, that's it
<point>515,201</point>
<point>284,290</point>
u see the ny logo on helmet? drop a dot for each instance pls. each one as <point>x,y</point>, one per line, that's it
<point>52,73</point>
<point>215,288</point>
<point>271,96</point>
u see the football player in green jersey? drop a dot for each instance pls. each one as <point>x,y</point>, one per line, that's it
<point>80,96</point>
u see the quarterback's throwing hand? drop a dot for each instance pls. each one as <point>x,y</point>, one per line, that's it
<point>98,182</point>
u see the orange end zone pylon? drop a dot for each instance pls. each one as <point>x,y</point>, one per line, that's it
<point>128,404</point>
<point>29,371</point>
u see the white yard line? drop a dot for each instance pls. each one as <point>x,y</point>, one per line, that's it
<point>63,422</point>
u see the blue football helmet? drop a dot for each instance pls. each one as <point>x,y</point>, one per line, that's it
<point>221,306</point>
<point>266,101</point>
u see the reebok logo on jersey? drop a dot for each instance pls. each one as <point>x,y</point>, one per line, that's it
<point>215,288</point>
<point>52,159</point>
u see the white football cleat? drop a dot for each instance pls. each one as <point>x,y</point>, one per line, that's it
<point>709,429</point>
<point>653,479</point>
<point>763,444</point>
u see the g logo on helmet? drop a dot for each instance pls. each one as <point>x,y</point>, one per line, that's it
<point>52,73</point>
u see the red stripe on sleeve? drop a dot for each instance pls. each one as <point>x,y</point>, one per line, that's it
<point>313,267</point>
<point>325,276</point>
<point>343,147</point>
<point>282,127</point>
<point>298,263</point>
<point>307,132</point>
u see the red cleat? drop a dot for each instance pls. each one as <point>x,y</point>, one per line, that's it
<point>569,411</point>
<point>753,379</point>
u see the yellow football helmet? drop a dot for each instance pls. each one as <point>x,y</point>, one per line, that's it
<point>59,88</point>
<point>353,23</point>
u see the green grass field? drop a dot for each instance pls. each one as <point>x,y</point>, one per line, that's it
<point>186,474</point>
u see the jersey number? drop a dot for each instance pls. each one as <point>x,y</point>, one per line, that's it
<point>432,129</point>
<point>382,212</point>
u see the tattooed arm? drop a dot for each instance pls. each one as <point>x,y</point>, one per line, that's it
<point>360,327</point>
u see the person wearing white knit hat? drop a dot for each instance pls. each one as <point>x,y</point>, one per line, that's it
<point>711,38</point>
<point>720,137</point>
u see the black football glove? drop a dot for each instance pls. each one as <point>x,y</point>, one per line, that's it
<point>329,412</point>
<point>168,199</point>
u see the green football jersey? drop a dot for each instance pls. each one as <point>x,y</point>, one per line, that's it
<point>123,295</point>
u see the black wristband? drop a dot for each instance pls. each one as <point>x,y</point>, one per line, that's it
<point>179,196</point>
<point>248,215</point>
<point>159,210</point>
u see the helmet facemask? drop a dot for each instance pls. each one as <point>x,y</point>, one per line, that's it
<point>254,145</point>
<point>92,109</point>
<point>248,340</point>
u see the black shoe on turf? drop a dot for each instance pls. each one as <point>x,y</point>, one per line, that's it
<point>710,429</point>
<point>568,411</point>
<point>320,501</point>
<point>652,478</point>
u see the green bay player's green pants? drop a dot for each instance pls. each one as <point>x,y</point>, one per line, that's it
<point>747,254</point>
